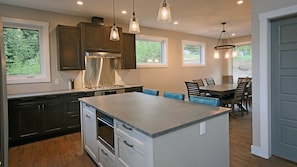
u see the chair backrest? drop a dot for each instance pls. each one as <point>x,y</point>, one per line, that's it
<point>239,92</point>
<point>178,96</point>
<point>210,81</point>
<point>227,79</point>
<point>199,81</point>
<point>244,79</point>
<point>205,100</point>
<point>193,88</point>
<point>151,92</point>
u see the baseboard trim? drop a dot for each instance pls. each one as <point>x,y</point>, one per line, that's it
<point>259,152</point>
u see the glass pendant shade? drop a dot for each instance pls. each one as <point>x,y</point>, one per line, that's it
<point>216,54</point>
<point>134,25</point>
<point>164,14</point>
<point>114,33</point>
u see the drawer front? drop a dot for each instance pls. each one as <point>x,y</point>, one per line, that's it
<point>130,131</point>
<point>130,153</point>
<point>73,121</point>
<point>106,158</point>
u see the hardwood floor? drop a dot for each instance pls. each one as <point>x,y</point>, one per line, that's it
<point>66,151</point>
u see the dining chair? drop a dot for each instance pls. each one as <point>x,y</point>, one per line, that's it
<point>199,81</point>
<point>237,99</point>
<point>192,88</point>
<point>248,95</point>
<point>210,81</point>
<point>178,96</point>
<point>212,101</point>
<point>227,79</point>
<point>244,79</point>
<point>151,92</point>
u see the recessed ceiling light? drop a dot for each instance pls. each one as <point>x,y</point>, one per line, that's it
<point>79,2</point>
<point>233,34</point>
<point>176,22</point>
<point>239,2</point>
<point>124,12</point>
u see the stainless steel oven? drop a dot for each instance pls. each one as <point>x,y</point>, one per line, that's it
<point>105,130</point>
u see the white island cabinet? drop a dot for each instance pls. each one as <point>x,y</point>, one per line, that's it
<point>153,131</point>
<point>89,135</point>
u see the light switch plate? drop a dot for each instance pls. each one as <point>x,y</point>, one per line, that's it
<point>202,128</point>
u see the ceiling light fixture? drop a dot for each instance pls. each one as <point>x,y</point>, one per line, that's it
<point>164,14</point>
<point>134,24</point>
<point>224,43</point>
<point>239,2</point>
<point>79,2</point>
<point>114,32</point>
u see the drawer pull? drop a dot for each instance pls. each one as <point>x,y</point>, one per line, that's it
<point>88,116</point>
<point>104,152</point>
<point>130,145</point>
<point>126,127</point>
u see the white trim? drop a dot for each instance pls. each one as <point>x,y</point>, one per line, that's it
<point>197,43</point>
<point>264,83</point>
<point>164,55</point>
<point>43,27</point>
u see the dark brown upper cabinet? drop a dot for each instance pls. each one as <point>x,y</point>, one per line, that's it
<point>128,51</point>
<point>68,46</point>
<point>96,37</point>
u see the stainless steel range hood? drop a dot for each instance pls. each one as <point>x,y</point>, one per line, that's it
<point>101,54</point>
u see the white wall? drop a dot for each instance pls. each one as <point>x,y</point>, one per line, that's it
<point>261,133</point>
<point>170,78</point>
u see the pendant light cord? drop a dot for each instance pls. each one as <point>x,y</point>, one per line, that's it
<point>113,13</point>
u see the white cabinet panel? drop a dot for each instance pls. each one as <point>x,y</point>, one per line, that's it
<point>106,158</point>
<point>89,131</point>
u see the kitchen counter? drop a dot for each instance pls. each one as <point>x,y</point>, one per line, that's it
<point>14,96</point>
<point>153,115</point>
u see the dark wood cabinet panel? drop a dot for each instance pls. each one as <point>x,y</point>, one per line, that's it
<point>96,37</point>
<point>52,114</point>
<point>134,89</point>
<point>68,46</point>
<point>29,120</point>
<point>128,51</point>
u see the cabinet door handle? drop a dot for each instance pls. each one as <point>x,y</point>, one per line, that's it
<point>126,127</point>
<point>104,152</point>
<point>88,116</point>
<point>130,145</point>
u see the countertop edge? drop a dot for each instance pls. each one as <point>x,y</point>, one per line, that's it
<point>56,92</point>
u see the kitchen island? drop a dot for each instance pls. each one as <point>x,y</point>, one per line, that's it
<point>153,131</point>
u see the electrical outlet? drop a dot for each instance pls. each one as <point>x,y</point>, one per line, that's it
<point>57,81</point>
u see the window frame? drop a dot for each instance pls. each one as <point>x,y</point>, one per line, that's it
<point>43,28</point>
<point>164,46</point>
<point>202,52</point>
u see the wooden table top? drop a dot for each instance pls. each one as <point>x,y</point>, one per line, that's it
<point>220,90</point>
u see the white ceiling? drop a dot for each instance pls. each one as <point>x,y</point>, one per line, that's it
<point>201,17</point>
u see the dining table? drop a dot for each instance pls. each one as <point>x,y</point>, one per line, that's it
<point>219,91</point>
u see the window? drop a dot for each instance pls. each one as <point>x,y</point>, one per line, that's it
<point>151,51</point>
<point>193,53</point>
<point>26,50</point>
<point>242,63</point>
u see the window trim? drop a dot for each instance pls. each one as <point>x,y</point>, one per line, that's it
<point>42,27</point>
<point>164,42</point>
<point>203,47</point>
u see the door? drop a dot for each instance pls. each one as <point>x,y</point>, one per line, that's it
<point>284,87</point>
<point>3,106</point>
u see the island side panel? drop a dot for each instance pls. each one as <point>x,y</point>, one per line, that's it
<point>186,147</point>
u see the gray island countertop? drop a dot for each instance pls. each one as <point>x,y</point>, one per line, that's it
<point>153,115</point>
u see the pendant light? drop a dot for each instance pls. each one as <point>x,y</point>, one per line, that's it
<point>114,32</point>
<point>224,43</point>
<point>164,14</point>
<point>134,24</point>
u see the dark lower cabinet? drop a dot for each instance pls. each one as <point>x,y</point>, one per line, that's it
<point>35,118</point>
<point>134,89</point>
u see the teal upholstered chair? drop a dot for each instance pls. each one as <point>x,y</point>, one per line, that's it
<point>178,96</point>
<point>151,92</point>
<point>205,100</point>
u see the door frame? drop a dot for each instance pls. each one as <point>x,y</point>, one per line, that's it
<point>264,150</point>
